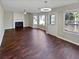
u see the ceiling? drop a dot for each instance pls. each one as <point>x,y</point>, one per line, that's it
<point>33,5</point>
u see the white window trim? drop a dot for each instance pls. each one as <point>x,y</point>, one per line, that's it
<point>50,19</point>
<point>70,32</point>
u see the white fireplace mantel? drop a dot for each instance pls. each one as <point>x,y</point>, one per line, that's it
<point>17,20</point>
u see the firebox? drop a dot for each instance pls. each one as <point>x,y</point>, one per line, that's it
<point>18,24</point>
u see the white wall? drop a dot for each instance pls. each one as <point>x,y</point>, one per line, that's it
<point>1,24</point>
<point>52,28</point>
<point>10,17</point>
<point>30,19</point>
<point>26,19</point>
<point>58,28</point>
<point>18,17</point>
<point>8,20</point>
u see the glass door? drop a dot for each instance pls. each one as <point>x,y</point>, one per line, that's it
<point>35,21</point>
<point>39,21</point>
<point>42,21</point>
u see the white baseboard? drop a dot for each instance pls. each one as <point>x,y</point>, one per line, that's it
<point>68,40</point>
<point>8,28</point>
<point>1,38</point>
<point>65,39</point>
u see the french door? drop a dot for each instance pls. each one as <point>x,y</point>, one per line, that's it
<point>39,21</point>
<point>42,22</point>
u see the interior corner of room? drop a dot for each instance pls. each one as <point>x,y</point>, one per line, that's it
<point>1,24</point>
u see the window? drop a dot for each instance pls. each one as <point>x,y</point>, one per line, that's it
<point>35,18</point>
<point>52,19</point>
<point>72,22</point>
<point>42,20</point>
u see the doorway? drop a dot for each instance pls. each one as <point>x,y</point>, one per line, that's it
<point>39,21</point>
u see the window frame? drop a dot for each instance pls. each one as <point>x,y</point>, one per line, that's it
<point>39,19</point>
<point>33,20</point>
<point>50,19</point>
<point>70,32</point>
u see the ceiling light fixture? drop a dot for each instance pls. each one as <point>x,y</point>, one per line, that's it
<point>45,9</point>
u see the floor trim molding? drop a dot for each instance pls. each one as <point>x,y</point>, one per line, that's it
<point>68,40</point>
<point>2,37</point>
<point>65,39</point>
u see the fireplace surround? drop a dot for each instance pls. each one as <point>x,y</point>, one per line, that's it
<point>18,24</point>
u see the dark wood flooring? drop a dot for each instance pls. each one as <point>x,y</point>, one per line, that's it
<point>31,43</point>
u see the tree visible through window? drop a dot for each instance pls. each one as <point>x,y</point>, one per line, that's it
<point>72,22</point>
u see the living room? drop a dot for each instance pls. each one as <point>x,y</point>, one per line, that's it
<point>59,20</point>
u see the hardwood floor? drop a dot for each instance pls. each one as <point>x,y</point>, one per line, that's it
<point>31,43</point>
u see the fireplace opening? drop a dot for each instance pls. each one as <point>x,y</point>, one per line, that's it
<point>18,25</point>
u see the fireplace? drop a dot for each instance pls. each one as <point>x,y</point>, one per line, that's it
<point>18,24</point>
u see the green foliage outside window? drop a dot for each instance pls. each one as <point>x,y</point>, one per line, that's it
<point>69,16</point>
<point>72,16</point>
